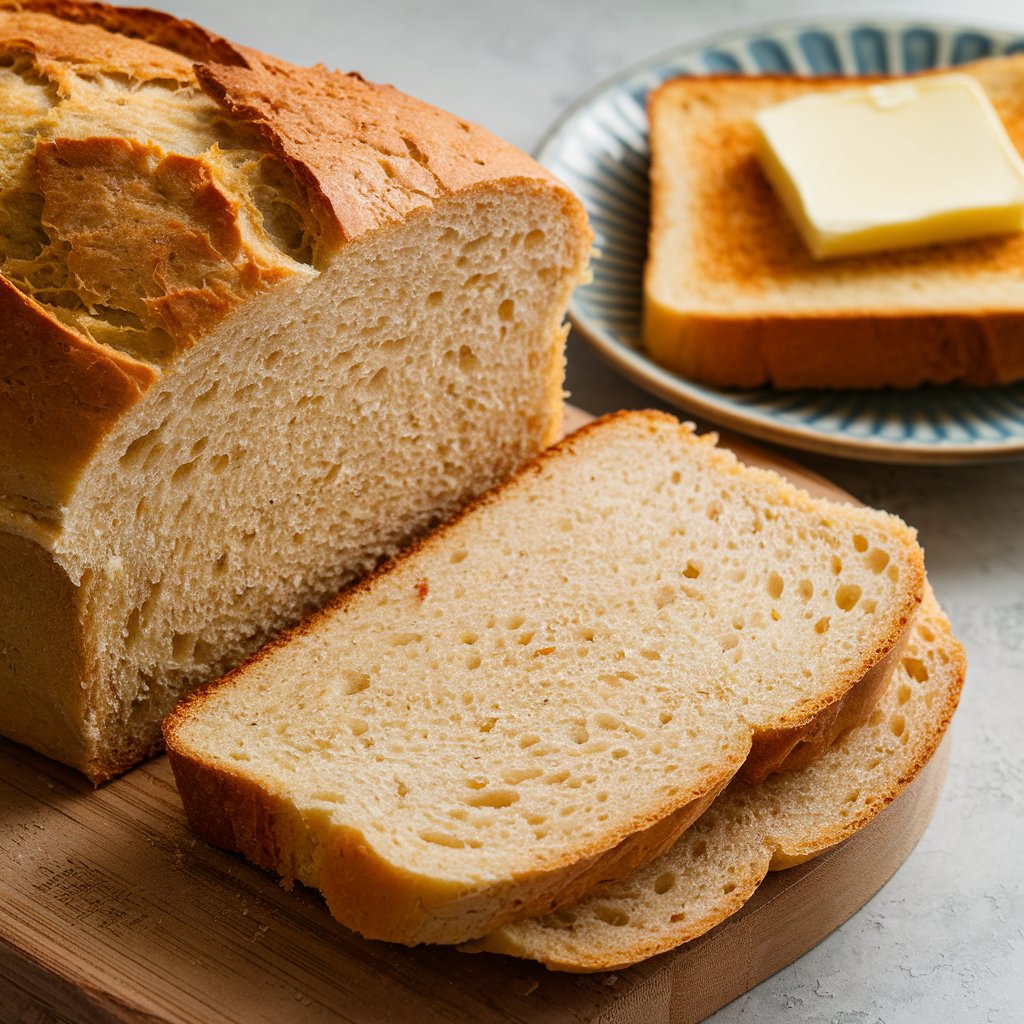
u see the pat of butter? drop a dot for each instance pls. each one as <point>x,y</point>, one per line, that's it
<point>893,166</point>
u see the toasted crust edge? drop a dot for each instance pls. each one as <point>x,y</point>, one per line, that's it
<point>835,350</point>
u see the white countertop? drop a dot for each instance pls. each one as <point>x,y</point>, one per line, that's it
<point>944,940</point>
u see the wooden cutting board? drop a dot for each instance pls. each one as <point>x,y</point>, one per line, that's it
<point>113,911</point>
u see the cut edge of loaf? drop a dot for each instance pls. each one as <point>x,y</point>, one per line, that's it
<point>893,344</point>
<point>508,354</point>
<point>246,816</point>
<point>609,937</point>
<point>82,382</point>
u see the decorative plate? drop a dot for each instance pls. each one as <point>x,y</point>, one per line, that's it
<point>599,147</point>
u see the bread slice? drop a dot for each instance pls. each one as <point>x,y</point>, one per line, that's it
<point>732,298</point>
<point>750,830</point>
<point>546,692</point>
<point>259,324</point>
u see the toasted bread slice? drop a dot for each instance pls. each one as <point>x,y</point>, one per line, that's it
<point>546,692</point>
<point>733,298</point>
<point>749,830</point>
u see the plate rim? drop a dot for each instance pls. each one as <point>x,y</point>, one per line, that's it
<point>676,390</point>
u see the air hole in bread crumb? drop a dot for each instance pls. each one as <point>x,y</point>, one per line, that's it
<point>578,731</point>
<point>442,839</point>
<point>893,573</point>
<point>468,360</point>
<point>182,646</point>
<point>664,882</point>
<point>775,586</point>
<point>916,669</point>
<point>614,916</point>
<point>619,753</point>
<point>205,397</point>
<point>898,724</point>
<point>514,621</point>
<point>837,565</point>
<point>534,239</point>
<point>496,798</point>
<point>506,310</point>
<point>847,596</point>
<point>435,298</point>
<point>354,682</point>
<point>860,543</point>
<point>699,849</point>
<point>487,724</point>
<point>691,572</point>
<point>877,560</point>
<point>805,589</point>
<point>821,626</point>
<point>404,639</point>
<point>153,455</point>
<point>728,888</point>
<point>713,511</point>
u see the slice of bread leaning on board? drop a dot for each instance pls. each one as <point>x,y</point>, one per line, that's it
<point>263,327</point>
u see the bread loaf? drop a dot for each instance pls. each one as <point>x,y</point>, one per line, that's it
<point>732,297</point>
<point>749,830</point>
<point>547,691</point>
<point>259,324</point>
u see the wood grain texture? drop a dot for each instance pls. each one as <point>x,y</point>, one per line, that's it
<point>114,912</point>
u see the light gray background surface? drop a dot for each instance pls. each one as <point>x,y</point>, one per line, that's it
<point>944,940</point>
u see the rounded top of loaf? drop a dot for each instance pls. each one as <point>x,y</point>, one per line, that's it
<point>155,176</point>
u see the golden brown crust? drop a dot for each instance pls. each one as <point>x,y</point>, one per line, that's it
<point>899,350</point>
<point>43,660</point>
<point>183,37</point>
<point>351,870</point>
<point>60,393</point>
<point>367,154</point>
<point>743,234</point>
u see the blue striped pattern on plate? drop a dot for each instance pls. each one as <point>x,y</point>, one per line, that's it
<point>600,149</point>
